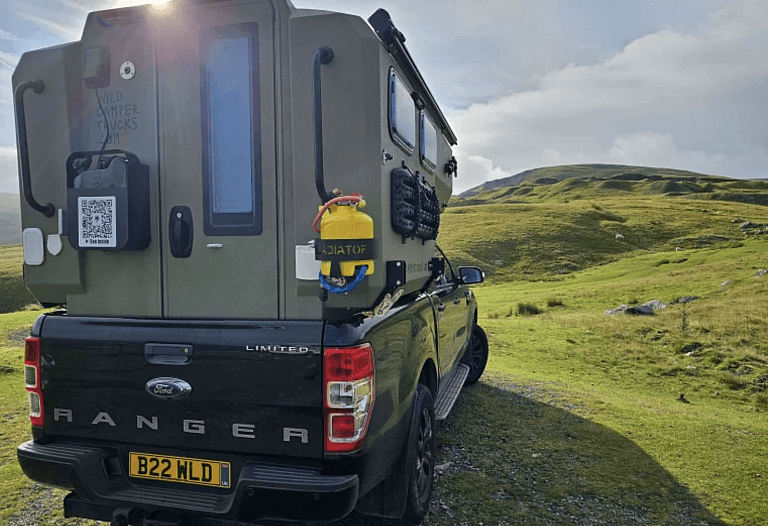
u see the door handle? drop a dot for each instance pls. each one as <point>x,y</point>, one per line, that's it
<point>457,301</point>
<point>167,354</point>
<point>21,133</point>
<point>441,308</point>
<point>180,231</point>
<point>323,55</point>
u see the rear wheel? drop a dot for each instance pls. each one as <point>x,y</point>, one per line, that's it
<point>476,356</point>
<point>421,456</point>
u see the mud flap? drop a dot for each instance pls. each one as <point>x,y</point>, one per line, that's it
<point>389,498</point>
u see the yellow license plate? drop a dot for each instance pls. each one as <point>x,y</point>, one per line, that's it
<point>180,469</point>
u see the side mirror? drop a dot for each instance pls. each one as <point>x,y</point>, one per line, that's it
<point>471,275</point>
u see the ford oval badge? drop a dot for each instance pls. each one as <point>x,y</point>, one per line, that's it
<point>167,388</point>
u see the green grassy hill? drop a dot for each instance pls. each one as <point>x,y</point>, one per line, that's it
<point>535,231</point>
<point>10,219</point>
<point>552,174</point>
<point>688,385</point>
<point>14,295</point>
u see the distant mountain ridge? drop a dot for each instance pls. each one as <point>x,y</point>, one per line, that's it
<point>10,219</point>
<point>553,174</point>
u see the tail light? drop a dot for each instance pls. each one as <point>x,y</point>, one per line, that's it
<point>32,381</point>
<point>349,395</point>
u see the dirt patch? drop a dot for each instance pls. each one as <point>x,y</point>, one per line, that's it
<point>17,337</point>
<point>42,503</point>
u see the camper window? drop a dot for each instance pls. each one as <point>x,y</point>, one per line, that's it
<point>428,145</point>
<point>402,113</point>
<point>230,130</point>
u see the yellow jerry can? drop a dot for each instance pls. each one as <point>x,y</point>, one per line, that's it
<point>347,239</point>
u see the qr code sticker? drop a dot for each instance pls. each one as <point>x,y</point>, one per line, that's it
<point>97,225</point>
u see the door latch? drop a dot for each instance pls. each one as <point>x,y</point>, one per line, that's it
<point>180,232</point>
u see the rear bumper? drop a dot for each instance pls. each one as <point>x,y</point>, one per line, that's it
<point>263,491</point>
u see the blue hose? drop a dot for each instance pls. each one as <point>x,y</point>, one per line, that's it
<point>349,286</point>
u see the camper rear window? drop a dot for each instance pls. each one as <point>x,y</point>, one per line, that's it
<point>402,114</point>
<point>428,145</point>
<point>230,130</point>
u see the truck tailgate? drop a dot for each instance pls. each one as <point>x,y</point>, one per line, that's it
<point>256,387</point>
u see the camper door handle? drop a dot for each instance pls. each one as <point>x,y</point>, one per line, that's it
<point>323,55</point>
<point>180,231</point>
<point>21,132</point>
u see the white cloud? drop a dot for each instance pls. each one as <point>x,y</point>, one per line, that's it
<point>481,168</point>
<point>692,100</point>
<point>9,171</point>
<point>8,60</point>
<point>78,6</point>
<point>7,35</point>
<point>69,32</point>
<point>639,148</point>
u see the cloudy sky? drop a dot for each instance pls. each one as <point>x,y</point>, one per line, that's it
<point>672,83</point>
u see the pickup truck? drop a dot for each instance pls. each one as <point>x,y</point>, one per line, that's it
<point>154,421</point>
<point>227,349</point>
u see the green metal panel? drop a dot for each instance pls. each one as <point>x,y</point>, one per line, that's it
<point>123,283</point>
<point>157,115</point>
<point>232,275</point>
<point>351,133</point>
<point>355,133</point>
<point>50,115</point>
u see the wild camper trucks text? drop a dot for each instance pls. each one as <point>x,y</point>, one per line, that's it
<point>120,113</point>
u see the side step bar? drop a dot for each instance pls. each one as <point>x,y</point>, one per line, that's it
<point>448,394</point>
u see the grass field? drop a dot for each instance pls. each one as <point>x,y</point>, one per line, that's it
<point>578,416</point>
<point>14,295</point>
<point>15,427</point>
<point>551,238</point>
<point>627,372</point>
<point>581,417</point>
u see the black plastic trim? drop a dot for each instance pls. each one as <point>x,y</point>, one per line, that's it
<point>181,232</point>
<point>345,249</point>
<point>263,490</point>
<point>36,86</point>
<point>37,327</point>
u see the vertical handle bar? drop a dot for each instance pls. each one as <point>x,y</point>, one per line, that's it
<point>21,133</point>
<point>323,55</point>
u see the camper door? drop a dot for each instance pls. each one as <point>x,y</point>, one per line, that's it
<point>217,148</point>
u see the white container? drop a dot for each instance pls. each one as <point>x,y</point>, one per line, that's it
<point>307,267</point>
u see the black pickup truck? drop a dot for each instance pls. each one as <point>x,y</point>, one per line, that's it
<point>231,349</point>
<point>164,421</point>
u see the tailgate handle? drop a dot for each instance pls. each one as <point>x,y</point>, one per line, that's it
<point>180,231</point>
<point>168,354</point>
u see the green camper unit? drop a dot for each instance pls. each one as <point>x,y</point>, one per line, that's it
<point>173,162</point>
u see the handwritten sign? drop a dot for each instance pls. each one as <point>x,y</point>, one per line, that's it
<point>118,113</point>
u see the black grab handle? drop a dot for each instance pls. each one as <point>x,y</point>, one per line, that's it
<point>21,133</point>
<point>180,231</point>
<point>323,55</point>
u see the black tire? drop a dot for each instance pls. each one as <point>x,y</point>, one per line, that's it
<point>421,456</point>
<point>476,356</point>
